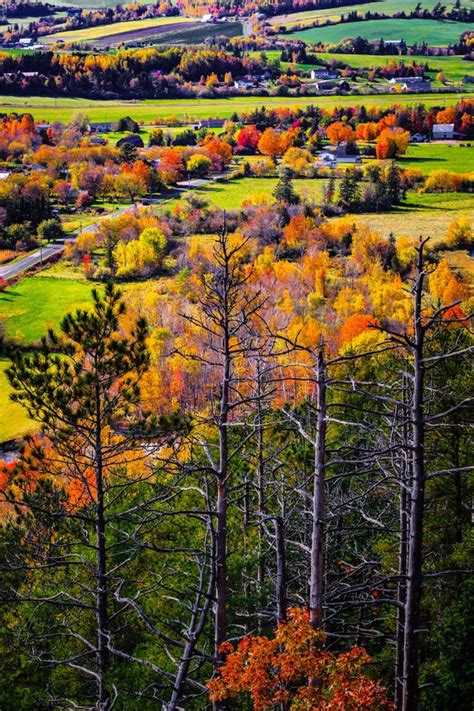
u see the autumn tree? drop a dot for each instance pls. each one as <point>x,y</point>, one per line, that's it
<point>277,671</point>
<point>339,132</point>
<point>392,142</point>
<point>270,143</point>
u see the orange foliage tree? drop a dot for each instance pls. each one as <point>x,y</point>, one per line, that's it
<point>279,670</point>
<point>392,142</point>
<point>338,132</point>
<point>270,144</point>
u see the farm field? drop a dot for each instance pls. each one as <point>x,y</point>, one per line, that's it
<point>107,32</point>
<point>426,214</point>
<point>62,109</point>
<point>439,33</point>
<point>453,67</point>
<point>93,3</point>
<point>439,156</point>
<point>389,7</point>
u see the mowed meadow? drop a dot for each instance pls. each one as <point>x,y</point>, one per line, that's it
<point>185,110</point>
<point>411,30</point>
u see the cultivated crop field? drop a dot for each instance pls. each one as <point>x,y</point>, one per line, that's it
<point>436,32</point>
<point>135,29</point>
<point>186,110</point>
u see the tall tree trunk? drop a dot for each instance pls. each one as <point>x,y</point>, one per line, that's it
<point>281,598</point>
<point>415,543</point>
<point>220,633</point>
<point>403,550</point>
<point>260,493</point>
<point>401,597</point>
<point>317,532</point>
<point>101,592</point>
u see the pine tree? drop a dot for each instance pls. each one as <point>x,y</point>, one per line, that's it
<point>349,190</point>
<point>393,183</point>
<point>83,387</point>
<point>330,191</point>
<point>284,190</point>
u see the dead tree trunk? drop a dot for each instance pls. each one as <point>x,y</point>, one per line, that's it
<point>281,570</point>
<point>101,573</point>
<point>317,533</point>
<point>410,690</point>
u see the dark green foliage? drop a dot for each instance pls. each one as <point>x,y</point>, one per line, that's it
<point>284,189</point>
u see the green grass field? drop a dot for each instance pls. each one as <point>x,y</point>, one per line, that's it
<point>230,195</point>
<point>454,67</point>
<point>148,111</point>
<point>27,310</point>
<point>439,156</point>
<point>87,34</point>
<point>389,7</point>
<point>14,421</point>
<point>36,303</point>
<point>435,32</point>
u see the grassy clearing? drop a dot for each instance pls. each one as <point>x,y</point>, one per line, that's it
<point>37,303</point>
<point>435,32</point>
<point>423,214</point>
<point>229,196</point>
<point>186,110</point>
<point>14,421</point>
<point>439,156</point>
<point>87,34</point>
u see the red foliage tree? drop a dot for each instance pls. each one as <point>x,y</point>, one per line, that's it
<point>294,670</point>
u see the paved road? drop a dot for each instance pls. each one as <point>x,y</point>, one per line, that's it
<point>9,271</point>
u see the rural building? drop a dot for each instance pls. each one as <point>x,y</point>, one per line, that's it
<point>132,140</point>
<point>323,74</point>
<point>417,85</point>
<point>209,123</point>
<point>102,127</point>
<point>333,157</point>
<point>342,85</point>
<point>406,80</point>
<point>443,130</point>
<point>418,138</point>
<point>97,141</point>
